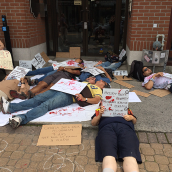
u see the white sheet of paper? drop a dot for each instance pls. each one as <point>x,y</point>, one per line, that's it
<point>120,72</point>
<point>94,71</point>
<point>115,102</point>
<point>122,54</point>
<point>26,64</point>
<point>17,73</point>
<point>6,60</point>
<point>162,55</point>
<point>69,86</point>
<point>89,64</point>
<point>133,97</point>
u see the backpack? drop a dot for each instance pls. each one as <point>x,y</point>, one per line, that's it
<point>136,70</point>
<point>111,58</point>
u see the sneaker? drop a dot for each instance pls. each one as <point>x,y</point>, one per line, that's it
<point>15,121</point>
<point>4,105</point>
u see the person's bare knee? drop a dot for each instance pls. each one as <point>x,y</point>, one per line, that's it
<point>130,164</point>
<point>109,162</point>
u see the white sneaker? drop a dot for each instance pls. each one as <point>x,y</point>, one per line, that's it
<point>4,105</point>
<point>15,121</point>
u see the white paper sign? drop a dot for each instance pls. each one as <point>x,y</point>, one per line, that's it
<point>26,64</point>
<point>115,102</point>
<point>162,55</point>
<point>17,73</point>
<point>38,61</point>
<point>120,72</point>
<point>122,54</point>
<point>167,75</point>
<point>94,71</point>
<point>69,86</point>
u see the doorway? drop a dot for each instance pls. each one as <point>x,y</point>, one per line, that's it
<point>96,26</point>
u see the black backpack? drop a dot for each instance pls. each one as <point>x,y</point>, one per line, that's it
<point>136,70</point>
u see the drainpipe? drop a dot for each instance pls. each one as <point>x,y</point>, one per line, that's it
<point>163,39</point>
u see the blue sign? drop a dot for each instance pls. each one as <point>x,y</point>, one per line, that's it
<point>4,29</point>
<point>3,19</point>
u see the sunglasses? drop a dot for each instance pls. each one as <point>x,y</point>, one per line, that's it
<point>145,69</point>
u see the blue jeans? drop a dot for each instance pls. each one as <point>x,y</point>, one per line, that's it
<point>46,71</point>
<point>41,104</point>
<point>109,65</point>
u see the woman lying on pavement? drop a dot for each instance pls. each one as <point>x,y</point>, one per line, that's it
<point>116,140</point>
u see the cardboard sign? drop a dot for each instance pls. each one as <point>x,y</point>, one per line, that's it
<point>6,60</point>
<point>26,64</point>
<point>17,73</point>
<point>74,52</point>
<point>122,54</point>
<point>62,54</point>
<point>160,92</point>
<point>120,72</point>
<point>38,61</point>
<point>124,84</point>
<point>69,86</point>
<point>45,57</point>
<point>115,102</point>
<point>66,134</point>
<point>94,71</point>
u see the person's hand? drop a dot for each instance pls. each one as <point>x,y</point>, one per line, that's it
<point>128,117</point>
<point>60,68</point>
<point>79,97</point>
<point>99,62</point>
<point>158,75</point>
<point>101,110</point>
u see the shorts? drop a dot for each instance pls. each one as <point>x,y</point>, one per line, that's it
<point>55,77</point>
<point>117,140</point>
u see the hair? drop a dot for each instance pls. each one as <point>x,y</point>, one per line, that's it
<point>82,61</point>
<point>107,85</point>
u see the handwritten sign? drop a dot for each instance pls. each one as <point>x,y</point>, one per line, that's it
<point>17,73</point>
<point>67,134</point>
<point>38,61</point>
<point>115,102</point>
<point>6,60</point>
<point>120,72</point>
<point>94,71</point>
<point>69,86</point>
<point>122,54</point>
<point>26,64</point>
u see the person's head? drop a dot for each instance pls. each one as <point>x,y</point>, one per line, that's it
<point>80,61</point>
<point>146,71</point>
<point>101,84</point>
<point>91,80</point>
<point>1,45</point>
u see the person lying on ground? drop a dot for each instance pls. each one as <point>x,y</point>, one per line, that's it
<point>109,65</point>
<point>7,85</point>
<point>48,101</point>
<point>156,80</point>
<point>78,62</point>
<point>48,82</point>
<point>116,140</point>
<point>105,78</point>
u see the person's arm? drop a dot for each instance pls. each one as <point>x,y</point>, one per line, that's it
<point>130,118</point>
<point>96,119</point>
<point>72,71</point>
<point>93,100</point>
<point>107,75</point>
<point>100,62</point>
<point>151,81</point>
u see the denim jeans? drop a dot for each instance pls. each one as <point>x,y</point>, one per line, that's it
<point>46,71</point>
<point>41,104</point>
<point>109,65</point>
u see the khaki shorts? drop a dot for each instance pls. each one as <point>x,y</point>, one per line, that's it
<point>3,94</point>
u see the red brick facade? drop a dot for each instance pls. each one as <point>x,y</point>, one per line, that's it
<point>25,30</point>
<point>145,13</point>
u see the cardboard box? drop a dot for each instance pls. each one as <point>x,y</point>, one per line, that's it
<point>62,54</point>
<point>75,52</point>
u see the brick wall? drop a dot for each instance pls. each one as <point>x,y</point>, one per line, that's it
<point>25,30</point>
<point>145,13</point>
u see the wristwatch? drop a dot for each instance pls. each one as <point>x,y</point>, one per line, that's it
<point>151,79</point>
<point>86,100</point>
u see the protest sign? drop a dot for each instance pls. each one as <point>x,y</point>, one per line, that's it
<point>66,134</point>
<point>69,86</point>
<point>26,64</point>
<point>122,54</point>
<point>94,71</point>
<point>115,102</point>
<point>6,60</point>
<point>17,73</point>
<point>38,61</point>
<point>120,72</point>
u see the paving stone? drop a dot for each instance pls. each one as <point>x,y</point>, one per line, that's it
<point>30,170</point>
<point>147,151</point>
<point>72,152</point>
<point>152,138</point>
<point>85,145</point>
<point>168,151</point>
<point>164,168</point>
<point>151,166</point>
<point>18,170</point>
<point>12,147</point>
<point>161,159</point>
<point>6,154</point>
<point>9,139</point>
<point>68,166</point>
<point>170,160</point>
<point>17,141</point>
<point>33,165</point>
<point>31,149</point>
<point>92,161</point>
<point>161,138</point>
<point>159,152</point>
<point>37,157</point>
<point>22,148</point>
<point>149,158</point>
<point>167,146</point>
<point>142,170</point>
<point>7,169</point>
<point>26,142</point>
<point>81,160</point>
<point>12,162</point>
<point>83,152</point>
<point>91,154</point>
<point>143,158</point>
<point>144,145</point>
<point>27,156</point>
<point>91,168</point>
<point>170,167</point>
<point>4,135</point>
<point>3,161</point>
<point>22,163</point>
<point>156,146</point>
<point>17,155</point>
<point>169,137</point>
<point>142,137</point>
<point>141,166</point>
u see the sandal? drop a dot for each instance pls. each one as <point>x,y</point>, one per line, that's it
<point>15,94</point>
<point>30,94</point>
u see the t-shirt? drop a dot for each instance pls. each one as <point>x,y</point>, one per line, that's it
<point>160,82</point>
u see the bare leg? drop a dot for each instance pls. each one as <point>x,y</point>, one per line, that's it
<point>46,89</point>
<point>109,162</point>
<point>41,85</point>
<point>130,164</point>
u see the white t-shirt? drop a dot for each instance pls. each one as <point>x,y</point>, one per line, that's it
<point>160,82</point>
